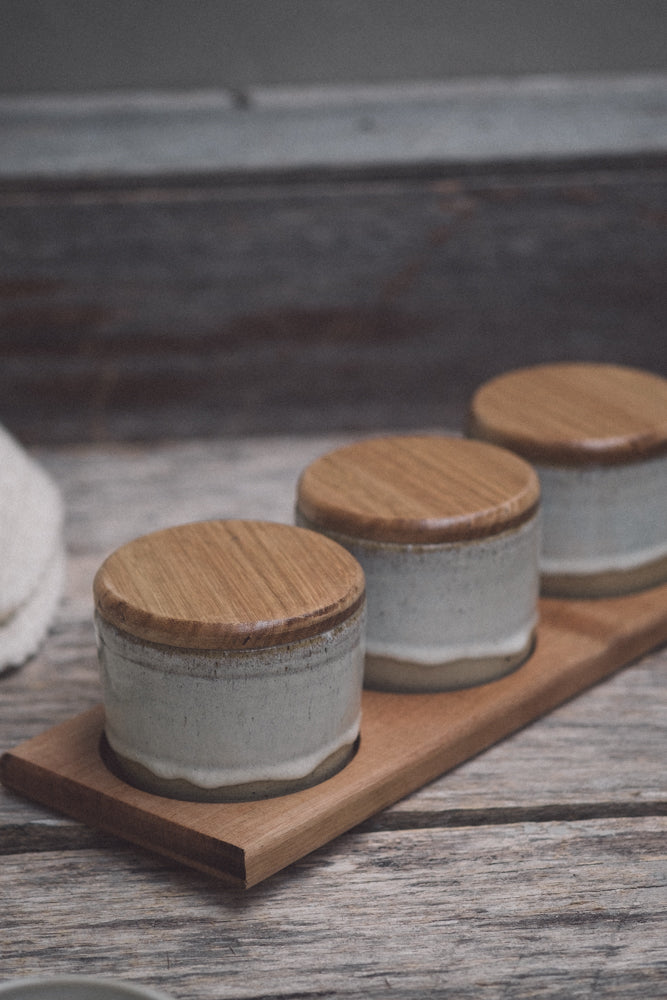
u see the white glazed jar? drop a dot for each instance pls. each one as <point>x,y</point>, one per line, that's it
<point>597,437</point>
<point>232,659</point>
<point>447,532</point>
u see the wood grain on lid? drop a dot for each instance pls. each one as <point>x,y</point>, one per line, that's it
<point>228,585</point>
<point>574,413</point>
<point>418,489</point>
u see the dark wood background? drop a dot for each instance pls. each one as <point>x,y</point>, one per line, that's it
<point>218,306</point>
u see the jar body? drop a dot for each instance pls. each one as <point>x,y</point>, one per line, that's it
<point>449,615</point>
<point>604,528</point>
<point>221,725</point>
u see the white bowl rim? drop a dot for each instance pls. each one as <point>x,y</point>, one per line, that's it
<point>113,987</point>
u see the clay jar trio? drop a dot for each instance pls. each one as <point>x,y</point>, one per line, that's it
<point>233,652</point>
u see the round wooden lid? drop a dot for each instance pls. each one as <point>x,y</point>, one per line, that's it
<point>228,585</point>
<point>418,489</point>
<point>574,413</point>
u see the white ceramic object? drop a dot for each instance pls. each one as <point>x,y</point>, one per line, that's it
<point>76,988</point>
<point>597,437</point>
<point>447,532</point>
<point>254,687</point>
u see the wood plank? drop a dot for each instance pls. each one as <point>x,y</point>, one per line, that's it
<point>405,742</point>
<point>215,309</point>
<point>355,128</point>
<point>559,910</point>
<point>601,754</point>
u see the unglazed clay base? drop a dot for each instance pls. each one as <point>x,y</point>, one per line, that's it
<point>605,584</point>
<point>386,674</point>
<point>174,788</point>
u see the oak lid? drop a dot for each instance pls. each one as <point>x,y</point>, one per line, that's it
<point>574,413</point>
<point>418,489</point>
<point>228,585</point>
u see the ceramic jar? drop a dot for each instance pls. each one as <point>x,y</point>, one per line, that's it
<point>447,532</point>
<point>232,659</point>
<point>597,437</point>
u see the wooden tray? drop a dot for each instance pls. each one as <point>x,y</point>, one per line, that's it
<point>406,741</point>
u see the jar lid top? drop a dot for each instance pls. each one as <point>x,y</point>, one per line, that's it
<point>418,489</point>
<point>574,413</point>
<point>228,585</point>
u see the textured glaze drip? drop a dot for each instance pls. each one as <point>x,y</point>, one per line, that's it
<point>229,719</point>
<point>436,657</point>
<point>408,676</point>
<point>210,777</point>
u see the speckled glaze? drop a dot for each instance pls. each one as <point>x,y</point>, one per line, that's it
<point>449,615</point>
<point>225,725</point>
<point>604,527</point>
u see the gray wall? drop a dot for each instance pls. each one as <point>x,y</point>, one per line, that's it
<point>79,45</point>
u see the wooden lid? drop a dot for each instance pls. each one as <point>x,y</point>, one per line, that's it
<point>228,585</point>
<point>418,489</point>
<point>574,414</point>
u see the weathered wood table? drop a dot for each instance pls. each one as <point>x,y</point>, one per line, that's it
<point>537,869</point>
<point>159,283</point>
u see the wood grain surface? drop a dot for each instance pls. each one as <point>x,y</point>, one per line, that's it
<point>574,413</point>
<point>228,584</point>
<point>535,869</point>
<point>566,909</point>
<point>418,489</point>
